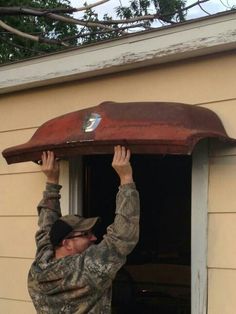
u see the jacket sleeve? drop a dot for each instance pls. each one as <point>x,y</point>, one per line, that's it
<point>105,259</point>
<point>49,211</point>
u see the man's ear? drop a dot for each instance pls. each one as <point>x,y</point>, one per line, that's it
<point>66,243</point>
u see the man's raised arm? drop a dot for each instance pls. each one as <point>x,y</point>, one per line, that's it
<point>49,209</point>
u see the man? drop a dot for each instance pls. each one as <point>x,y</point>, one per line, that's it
<point>70,273</point>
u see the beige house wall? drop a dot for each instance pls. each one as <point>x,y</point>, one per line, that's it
<point>206,81</point>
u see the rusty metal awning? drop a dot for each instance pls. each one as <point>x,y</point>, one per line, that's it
<point>146,127</point>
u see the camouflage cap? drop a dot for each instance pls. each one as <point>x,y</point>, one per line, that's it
<point>70,223</point>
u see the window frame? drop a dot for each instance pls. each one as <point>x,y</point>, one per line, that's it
<point>199,230</point>
<point>199,220</point>
<point>76,185</point>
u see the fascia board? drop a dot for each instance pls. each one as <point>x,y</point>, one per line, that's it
<point>192,39</point>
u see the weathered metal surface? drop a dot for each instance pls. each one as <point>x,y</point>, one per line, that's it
<point>145,127</point>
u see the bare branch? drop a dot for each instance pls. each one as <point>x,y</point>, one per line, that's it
<point>71,20</point>
<point>194,4</point>
<point>203,9</point>
<point>31,37</point>
<point>81,35</point>
<point>226,6</point>
<point>17,32</point>
<point>50,14</point>
<point>89,6</point>
<point>32,11</point>
<point>137,19</point>
<point>132,20</point>
<point>150,17</point>
<point>53,16</point>
<point>8,42</point>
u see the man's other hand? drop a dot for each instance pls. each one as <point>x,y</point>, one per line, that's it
<point>121,164</point>
<point>50,167</point>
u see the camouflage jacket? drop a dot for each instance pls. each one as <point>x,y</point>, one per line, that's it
<point>81,283</point>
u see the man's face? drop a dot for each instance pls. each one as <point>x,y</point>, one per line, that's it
<point>78,242</point>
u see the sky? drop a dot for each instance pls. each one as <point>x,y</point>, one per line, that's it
<point>213,6</point>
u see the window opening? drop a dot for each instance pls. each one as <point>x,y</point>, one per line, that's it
<point>157,275</point>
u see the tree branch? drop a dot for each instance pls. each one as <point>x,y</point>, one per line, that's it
<point>90,6</point>
<point>31,37</point>
<point>134,19</point>
<point>32,11</point>
<point>203,9</point>
<point>50,13</point>
<point>119,26</point>
<point>71,20</point>
<point>194,4</point>
<point>53,16</point>
<point>104,31</point>
<point>8,42</point>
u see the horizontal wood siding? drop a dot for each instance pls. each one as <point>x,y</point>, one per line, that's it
<point>207,82</point>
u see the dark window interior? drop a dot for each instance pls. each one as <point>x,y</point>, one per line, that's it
<point>157,275</point>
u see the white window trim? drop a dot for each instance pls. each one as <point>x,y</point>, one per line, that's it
<point>198,220</point>
<point>199,225</point>
<point>75,186</point>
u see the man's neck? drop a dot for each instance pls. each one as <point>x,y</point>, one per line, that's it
<point>60,253</point>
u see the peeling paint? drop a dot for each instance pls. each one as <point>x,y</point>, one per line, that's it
<point>181,42</point>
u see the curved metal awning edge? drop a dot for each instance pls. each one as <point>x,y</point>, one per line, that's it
<point>145,127</point>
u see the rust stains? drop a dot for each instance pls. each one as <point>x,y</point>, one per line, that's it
<point>146,127</point>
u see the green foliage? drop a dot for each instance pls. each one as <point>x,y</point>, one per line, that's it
<point>172,9</point>
<point>168,9</point>
<point>94,34</point>
<point>14,47</point>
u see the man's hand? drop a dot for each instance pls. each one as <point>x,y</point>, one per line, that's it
<point>122,165</point>
<point>50,167</point>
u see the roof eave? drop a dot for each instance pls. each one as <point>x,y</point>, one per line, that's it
<point>192,39</point>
